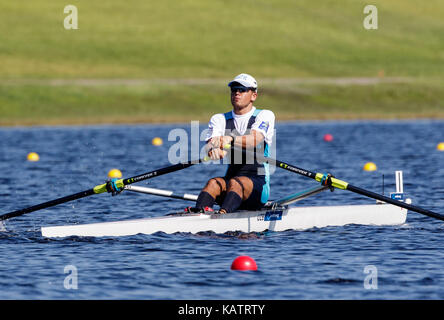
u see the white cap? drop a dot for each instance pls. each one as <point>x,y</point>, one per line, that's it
<point>244,79</point>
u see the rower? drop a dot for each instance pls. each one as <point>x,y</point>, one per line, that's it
<point>246,183</point>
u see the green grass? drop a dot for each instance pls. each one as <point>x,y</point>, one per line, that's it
<point>34,104</point>
<point>215,40</point>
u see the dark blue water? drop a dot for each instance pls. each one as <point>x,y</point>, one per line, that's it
<point>326,263</point>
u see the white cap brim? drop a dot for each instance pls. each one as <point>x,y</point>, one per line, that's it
<point>245,80</point>
<point>242,82</point>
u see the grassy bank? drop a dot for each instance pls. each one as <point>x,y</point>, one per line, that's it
<point>158,46</point>
<point>35,104</point>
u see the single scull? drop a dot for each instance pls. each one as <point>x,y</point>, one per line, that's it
<point>276,216</point>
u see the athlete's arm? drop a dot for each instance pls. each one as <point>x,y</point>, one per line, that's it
<point>216,130</point>
<point>247,141</point>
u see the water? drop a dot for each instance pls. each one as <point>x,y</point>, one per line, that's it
<point>326,263</point>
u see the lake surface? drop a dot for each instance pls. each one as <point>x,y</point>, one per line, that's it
<point>327,263</point>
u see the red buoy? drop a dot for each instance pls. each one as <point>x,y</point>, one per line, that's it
<point>328,137</point>
<point>244,263</point>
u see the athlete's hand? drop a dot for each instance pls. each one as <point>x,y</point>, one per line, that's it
<point>220,142</point>
<point>225,140</point>
<point>217,154</point>
<point>214,143</point>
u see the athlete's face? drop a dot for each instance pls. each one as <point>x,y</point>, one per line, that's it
<point>242,97</point>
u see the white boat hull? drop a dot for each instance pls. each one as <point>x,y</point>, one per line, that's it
<point>297,218</point>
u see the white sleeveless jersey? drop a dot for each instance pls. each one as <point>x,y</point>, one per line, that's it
<point>264,123</point>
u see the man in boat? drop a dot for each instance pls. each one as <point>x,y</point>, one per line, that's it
<point>246,184</point>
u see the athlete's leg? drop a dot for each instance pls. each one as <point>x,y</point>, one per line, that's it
<point>214,188</point>
<point>238,190</point>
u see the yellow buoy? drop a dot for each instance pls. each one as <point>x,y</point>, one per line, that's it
<point>370,166</point>
<point>440,146</point>
<point>32,156</point>
<point>157,141</point>
<point>114,173</point>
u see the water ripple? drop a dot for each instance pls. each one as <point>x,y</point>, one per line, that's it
<point>325,263</point>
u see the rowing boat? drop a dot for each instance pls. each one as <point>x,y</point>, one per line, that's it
<point>275,216</point>
<point>296,218</point>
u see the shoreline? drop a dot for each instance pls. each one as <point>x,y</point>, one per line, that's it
<point>87,82</point>
<point>204,123</point>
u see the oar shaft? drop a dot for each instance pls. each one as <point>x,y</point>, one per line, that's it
<point>47,204</point>
<point>394,202</point>
<point>159,172</point>
<point>345,186</point>
<point>102,187</point>
<point>282,165</point>
<point>145,176</point>
<point>99,189</point>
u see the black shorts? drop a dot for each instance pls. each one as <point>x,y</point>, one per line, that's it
<point>254,200</point>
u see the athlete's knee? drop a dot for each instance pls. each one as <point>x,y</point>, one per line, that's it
<point>242,186</point>
<point>235,185</point>
<point>215,185</point>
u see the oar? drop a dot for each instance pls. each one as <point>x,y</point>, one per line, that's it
<point>345,185</point>
<point>101,188</point>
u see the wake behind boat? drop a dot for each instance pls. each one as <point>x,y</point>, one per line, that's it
<point>276,216</point>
